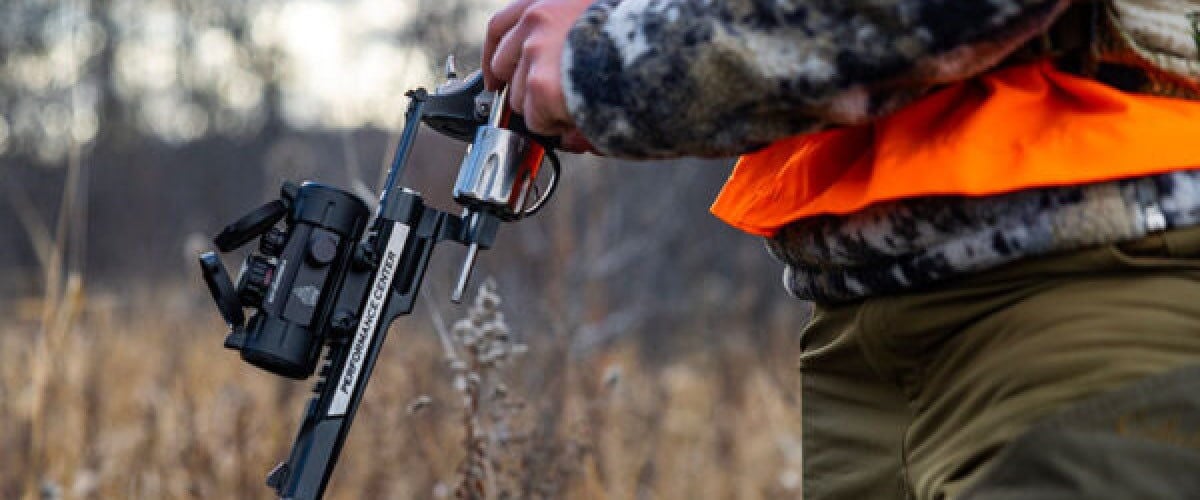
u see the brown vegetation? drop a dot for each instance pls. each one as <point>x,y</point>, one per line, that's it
<point>144,404</point>
<point>659,359</point>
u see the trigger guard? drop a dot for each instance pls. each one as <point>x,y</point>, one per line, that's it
<point>550,188</point>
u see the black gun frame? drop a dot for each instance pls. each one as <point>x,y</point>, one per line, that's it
<point>380,283</point>
<point>396,252</point>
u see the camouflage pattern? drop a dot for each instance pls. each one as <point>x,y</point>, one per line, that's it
<point>663,78</point>
<point>1150,46</point>
<point>910,244</point>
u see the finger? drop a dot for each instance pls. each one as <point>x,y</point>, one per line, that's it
<point>499,25</point>
<point>509,53</point>
<point>543,105</point>
<point>517,85</point>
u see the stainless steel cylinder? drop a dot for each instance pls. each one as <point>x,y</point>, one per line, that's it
<point>495,175</point>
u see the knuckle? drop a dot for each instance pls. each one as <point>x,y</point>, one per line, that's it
<point>531,46</point>
<point>544,79</point>
<point>540,84</point>
<point>537,15</point>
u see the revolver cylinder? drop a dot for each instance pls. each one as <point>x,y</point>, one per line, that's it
<point>497,174</point>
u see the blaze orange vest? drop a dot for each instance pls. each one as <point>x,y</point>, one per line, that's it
<point>1016,128</point>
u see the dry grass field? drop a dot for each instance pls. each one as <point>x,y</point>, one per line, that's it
<point>658,352</point>
<point>123,402</point>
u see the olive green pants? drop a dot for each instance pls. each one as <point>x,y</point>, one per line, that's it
<point>918,395</point>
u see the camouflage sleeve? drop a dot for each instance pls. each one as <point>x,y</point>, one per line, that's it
<point>664,78</point>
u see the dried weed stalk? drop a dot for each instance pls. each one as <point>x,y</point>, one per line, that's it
<point>476,348</point>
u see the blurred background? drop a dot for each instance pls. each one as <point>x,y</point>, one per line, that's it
<point>660,344</point>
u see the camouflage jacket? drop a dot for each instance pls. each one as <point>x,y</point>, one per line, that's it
<point>663,78</point>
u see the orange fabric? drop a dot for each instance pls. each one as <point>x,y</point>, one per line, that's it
<point>1015,128</point>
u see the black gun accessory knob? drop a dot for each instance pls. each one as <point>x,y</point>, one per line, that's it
<point>322,247</point>
<point>256,280</point>
<point>272,242</point>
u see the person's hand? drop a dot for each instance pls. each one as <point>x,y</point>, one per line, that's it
<point>524,48</point>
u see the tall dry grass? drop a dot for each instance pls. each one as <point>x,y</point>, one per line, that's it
<point>133,397</point>
<point>141,402</point>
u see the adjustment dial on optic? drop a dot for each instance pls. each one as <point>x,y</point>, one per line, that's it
<point>272,242</point>
<point>256,280</point>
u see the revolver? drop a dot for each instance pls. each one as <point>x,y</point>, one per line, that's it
<point>329,276</point>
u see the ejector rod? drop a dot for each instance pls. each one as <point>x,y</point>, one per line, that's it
<point>464,275</point>
<point>495,119</point>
